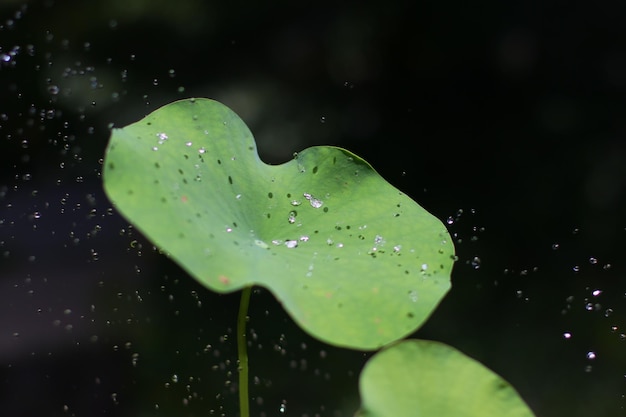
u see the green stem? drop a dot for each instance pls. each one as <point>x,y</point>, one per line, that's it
<point>242,351</point>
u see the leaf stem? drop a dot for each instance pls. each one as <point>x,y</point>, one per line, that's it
<point>242,352</point>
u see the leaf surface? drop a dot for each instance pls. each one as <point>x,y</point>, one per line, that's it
<point>421,378</point>
<point>354,261</point>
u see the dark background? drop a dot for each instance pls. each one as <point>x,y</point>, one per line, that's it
<point>504,119</point>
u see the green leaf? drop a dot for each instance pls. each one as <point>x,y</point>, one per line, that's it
<point>424,378</point>
<point>354,261</point>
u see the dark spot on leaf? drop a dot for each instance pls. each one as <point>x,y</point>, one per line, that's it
<point>149,123</point>
<point>288,195</point>
<point>270,195</point>
<point>180,171</point>
<point>338,227</point>
<point>185,180</point>
<point>156,164</point>
<point>315,170</point>
<point>348,227</point>
<point>410,315</point>
<point>111,166</point>
<point>230,179</point>
<point>219,162</point>
<point>268,215</point>
<point>334,160</point>
<point>325,209</point>
<point>130,192</point>
<point>234,224</point>
<point>186,156</point>
<point>181,235</point>
<point>163,200</point>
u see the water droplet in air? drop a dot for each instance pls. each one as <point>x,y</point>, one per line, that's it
<point>283,407</point>
<point>476,262</point>
<point>591,355</point>
<point>596,293</point>
<point>593,261</point>
<point>567,335</point>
